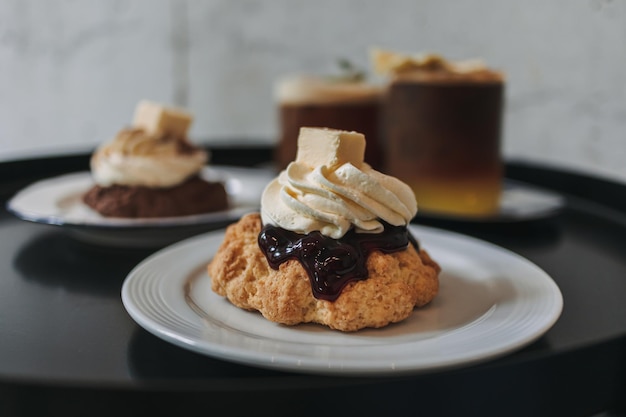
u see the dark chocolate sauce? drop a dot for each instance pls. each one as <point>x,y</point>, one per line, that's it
<point>331,263</point>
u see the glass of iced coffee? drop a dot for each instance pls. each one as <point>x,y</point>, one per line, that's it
<point>316,101</point>
<point>443,124</point>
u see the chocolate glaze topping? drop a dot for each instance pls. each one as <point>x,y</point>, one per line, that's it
<point>331,263</point>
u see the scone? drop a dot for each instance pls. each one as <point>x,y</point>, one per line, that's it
<point>331,244</point>
<point>152,170</point>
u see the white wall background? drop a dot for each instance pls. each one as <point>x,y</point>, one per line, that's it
<point>71,72</point>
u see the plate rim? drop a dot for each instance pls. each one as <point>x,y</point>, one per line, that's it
<point>125,224</point>
<point>246,357</point>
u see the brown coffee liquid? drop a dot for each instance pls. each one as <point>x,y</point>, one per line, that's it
<point>362,117</point>
<point>444,141</point>
<point>331,263</point>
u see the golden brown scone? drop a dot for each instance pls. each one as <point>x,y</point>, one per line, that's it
<point>397,283</point>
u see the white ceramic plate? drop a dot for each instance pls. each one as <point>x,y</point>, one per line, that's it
<point>520,202</point>
<point>491,302</point>
<point>58,201</point>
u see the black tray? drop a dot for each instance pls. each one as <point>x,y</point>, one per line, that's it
<point>67,346</point>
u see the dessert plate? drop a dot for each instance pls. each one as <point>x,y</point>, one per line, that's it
<point>520,202</point>
<point>58,201</point>
<point>491,302</point>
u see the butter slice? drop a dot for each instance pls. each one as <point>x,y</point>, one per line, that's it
<point>330,147</point>
<point>155,118</point>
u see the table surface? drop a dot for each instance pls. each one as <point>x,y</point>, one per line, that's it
<point>67,343</point>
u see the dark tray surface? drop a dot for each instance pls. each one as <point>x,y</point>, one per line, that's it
<point>63,328</point>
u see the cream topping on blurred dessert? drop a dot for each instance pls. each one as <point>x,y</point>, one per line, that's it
<point>155,152</point>
<point>431,67</point>
<point>323,90</point>
<point>328,188</point>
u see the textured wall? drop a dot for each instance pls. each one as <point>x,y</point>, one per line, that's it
<point>71,72</point>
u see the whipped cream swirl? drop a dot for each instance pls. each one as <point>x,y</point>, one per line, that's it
<point>134,158</point>
<point>305,199</point>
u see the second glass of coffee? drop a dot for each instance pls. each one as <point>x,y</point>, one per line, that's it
<point>443,133</point>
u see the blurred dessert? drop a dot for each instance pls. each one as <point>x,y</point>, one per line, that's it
<point>346,102</point>
<point>443,124</point>
<point>152,170</point>
<point>331,244</point>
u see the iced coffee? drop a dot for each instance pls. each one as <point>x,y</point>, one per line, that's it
<point>315,101</point>
<point>443,124</point>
